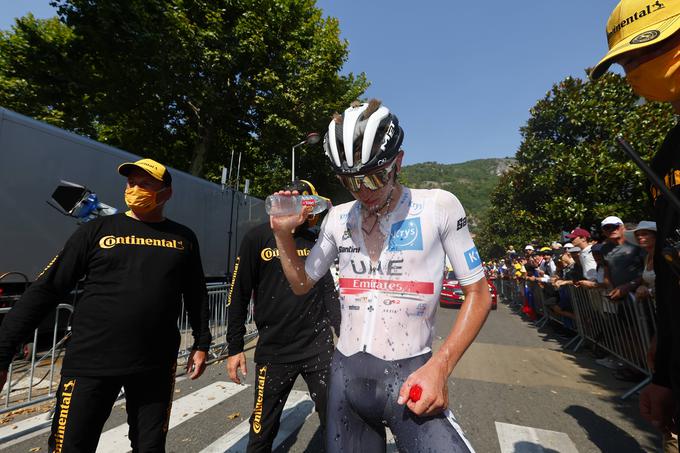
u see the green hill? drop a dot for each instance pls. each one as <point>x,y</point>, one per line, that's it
<point>472,181</point>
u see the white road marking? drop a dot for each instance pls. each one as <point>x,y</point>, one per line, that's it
<point>298,408</point>
<point>116,440</point>
<point>523,439</point>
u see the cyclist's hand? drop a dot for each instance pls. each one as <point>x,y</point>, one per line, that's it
<point>288,223</point>
<point>431,377</point>
<point>235,362</point>
<point>196,363</point>
<point>3,379</point>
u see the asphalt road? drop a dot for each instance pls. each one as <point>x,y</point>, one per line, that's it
<point>516,390</point>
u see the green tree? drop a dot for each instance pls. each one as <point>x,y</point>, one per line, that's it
<point>190,81</point>
<point>569,171</point>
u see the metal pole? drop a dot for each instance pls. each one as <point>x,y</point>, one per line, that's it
<point>654,179</point>
<point>292,165</point>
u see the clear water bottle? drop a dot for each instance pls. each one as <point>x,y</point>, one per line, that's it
<point>280,205</point>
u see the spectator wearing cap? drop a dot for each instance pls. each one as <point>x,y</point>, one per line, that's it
<point>546,266</point>
<point>624,260</point>
<point>581,239</point>
<point>648,50</point>
<point>529,250</point>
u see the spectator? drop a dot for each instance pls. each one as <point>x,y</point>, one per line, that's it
<point>644,236</point>
<point>581,239</point>
<point>547,266</point>
<point>624,260</point>
<point>651,69</point>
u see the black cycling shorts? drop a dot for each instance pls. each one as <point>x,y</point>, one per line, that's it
<point>362,401</point>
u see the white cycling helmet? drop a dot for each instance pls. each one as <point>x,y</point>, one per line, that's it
<point>365,137</point>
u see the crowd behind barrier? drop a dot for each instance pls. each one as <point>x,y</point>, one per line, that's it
<point>34,374</point>
<point>623,329</point>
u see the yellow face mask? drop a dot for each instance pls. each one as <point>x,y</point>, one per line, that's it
<point>141,200</point>
<point>658,79</point>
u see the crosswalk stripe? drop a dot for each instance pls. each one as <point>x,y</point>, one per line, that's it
<point>38,424</point>
<point>298,407</point>
<point>524,439</point>
<point>115,440</point>
<point>23,427</point>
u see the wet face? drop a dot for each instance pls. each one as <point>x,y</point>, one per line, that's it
<point>373,200</point>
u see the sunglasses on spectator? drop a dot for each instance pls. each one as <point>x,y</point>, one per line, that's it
<point>610,227</point>
<point>371,181</point>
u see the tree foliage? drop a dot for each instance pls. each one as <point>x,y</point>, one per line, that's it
<point>569,171</point>
<point>186,81</point>
<point>472,181</point>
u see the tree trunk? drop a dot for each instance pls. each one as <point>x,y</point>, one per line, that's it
<point>200,152</point>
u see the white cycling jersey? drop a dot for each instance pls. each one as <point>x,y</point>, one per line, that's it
<point>388,307</point>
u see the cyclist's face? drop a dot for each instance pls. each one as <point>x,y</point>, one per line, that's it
<point>374,199</point>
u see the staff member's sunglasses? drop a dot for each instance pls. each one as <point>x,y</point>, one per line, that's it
<point>371,181</point>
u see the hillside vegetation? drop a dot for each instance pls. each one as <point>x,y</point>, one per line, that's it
<point>472,181</point>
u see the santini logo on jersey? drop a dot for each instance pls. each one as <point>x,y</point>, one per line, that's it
<point>406,235</point>
<point>109,242</point>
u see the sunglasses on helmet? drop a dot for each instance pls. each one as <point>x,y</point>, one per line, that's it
<point>371,181</point>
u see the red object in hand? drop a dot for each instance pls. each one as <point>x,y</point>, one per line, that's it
<point>415,393</point>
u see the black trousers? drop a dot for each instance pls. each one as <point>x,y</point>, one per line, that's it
<point>84,404</point>
<point>273,383</point>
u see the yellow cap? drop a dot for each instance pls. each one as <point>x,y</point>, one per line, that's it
<point>150,166</point>
<point>635,24</point>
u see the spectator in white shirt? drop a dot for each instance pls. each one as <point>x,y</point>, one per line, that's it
<point>581,239</point>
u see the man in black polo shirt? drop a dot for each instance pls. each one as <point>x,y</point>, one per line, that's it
<point>295,335</point>
<point>137,268</point>
<point>644,38</point>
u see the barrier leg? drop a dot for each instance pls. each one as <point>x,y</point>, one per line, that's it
<point>636,389</point>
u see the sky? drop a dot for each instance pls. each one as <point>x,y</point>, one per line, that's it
<point>460,76</point>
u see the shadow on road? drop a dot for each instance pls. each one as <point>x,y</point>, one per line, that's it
<point>604,434</point>
<point>530,447</point>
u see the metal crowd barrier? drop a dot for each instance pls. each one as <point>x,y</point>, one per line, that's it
<point>622,328</point>
<point>34,378</point>
<point>25,385</point>
<point>217,300</point>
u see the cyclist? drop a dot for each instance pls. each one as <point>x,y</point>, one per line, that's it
<point>644,38</point>
<point>391,244</point>
<point>295,335</point>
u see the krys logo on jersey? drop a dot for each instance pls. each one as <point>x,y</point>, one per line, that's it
<point>406,235</point>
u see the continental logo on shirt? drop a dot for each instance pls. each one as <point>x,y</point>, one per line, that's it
<point>257,413</point>
<point>109,242</point>
<point>63,407</point>
<point>269,254</point>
